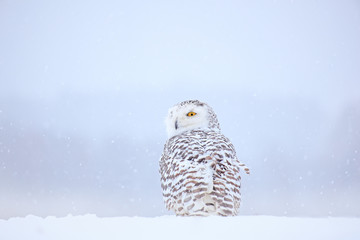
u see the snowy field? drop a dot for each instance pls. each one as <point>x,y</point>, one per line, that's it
<point>85,87</point>
<point>171,227</point>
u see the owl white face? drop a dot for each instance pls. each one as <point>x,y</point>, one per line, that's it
<point>186,117</point>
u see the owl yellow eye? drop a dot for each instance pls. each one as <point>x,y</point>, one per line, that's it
<point>191,114</point>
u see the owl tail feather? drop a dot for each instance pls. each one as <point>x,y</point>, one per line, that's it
<point>245,168</point>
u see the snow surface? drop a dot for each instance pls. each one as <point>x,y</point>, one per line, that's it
<point>171,227</point>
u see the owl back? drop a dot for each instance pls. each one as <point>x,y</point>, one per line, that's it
<point>200,174</point>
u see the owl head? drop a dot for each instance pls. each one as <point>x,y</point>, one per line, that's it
<point>189,115</point>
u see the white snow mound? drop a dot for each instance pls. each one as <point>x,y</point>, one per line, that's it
<point>171,227</point>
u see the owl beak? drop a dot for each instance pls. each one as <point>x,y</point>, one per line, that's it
<point>176,124</point>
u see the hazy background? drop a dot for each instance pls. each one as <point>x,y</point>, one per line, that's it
<point>85,87</point>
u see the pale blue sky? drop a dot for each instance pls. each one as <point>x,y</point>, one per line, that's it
<point>85,86</point>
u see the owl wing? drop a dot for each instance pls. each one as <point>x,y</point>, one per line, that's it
<point>223,152</point>
<point>226,173</point>
<point>193,167</point>
<point>184,169</point>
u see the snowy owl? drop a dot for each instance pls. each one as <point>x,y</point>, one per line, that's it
<point>200,173</point>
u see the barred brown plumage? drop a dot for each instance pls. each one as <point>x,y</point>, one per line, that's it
<point>200,173</point>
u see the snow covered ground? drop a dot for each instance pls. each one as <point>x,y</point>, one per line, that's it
<point>171,227</point>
